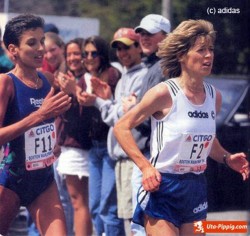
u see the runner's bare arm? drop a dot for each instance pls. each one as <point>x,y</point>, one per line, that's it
<point>52,106</point>
<point>155,102</point>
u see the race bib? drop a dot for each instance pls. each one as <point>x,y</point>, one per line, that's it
<point>193,153</point>
<point>39,145</point>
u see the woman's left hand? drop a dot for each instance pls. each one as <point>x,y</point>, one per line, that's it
<point>239,163</point>
<point>85,99</point>
<point>67,82</point>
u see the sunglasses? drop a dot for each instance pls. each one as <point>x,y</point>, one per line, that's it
<point>93,54</point>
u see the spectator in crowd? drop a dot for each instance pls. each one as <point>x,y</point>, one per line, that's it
<point>153,29</point>
<point>102,186</point>
<point>54,62</point>
<point>50,27</point>
<point>129,53</point>
<point>74,140</point>
<point>28,105</point>
<point>54,58</point>
<point>5,62</point>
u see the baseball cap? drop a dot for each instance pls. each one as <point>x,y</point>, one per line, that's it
<point>126,36</point>
<point>154,23</point>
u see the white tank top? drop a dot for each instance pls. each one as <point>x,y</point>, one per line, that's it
<point>182,140</point>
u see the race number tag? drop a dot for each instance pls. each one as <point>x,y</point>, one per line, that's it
<point>39,146</point>
<point>193,153</point>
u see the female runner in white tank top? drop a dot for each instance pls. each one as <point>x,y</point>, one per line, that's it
<point>183,111</point>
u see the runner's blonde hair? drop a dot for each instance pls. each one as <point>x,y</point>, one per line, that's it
<point>178,43</point>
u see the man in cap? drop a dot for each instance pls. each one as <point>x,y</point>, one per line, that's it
<point>153,29</point>
<point>129,53</point>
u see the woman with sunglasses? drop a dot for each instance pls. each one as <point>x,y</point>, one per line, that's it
<point>102,187</point>
<point>74,140</point>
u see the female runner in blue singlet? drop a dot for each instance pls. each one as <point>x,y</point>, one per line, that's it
<point>28,106</point>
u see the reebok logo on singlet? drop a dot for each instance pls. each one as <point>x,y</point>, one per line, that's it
<point>200,208</point>
<point>36,102</point>
<point>198,114</point>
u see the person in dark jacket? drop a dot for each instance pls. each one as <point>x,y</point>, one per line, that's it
<point>103,198</point>
<point>74,139</point>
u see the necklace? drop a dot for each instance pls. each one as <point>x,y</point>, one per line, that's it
<point>31,84</point>
<point>36,87</point>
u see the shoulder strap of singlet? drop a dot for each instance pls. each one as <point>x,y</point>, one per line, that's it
<point>11,75</point>
<point>210,89</point>
<point>42,76</point>
<point>173,86</point>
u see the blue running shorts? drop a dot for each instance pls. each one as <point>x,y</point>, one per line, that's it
<point>180,199</point>
<point>28,185</point>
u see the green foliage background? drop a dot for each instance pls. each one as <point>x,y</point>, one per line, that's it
<point>232,45</point>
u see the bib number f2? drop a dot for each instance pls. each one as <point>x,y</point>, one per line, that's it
<point>194,151</point>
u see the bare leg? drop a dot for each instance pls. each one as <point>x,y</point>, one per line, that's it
<point>9,206</point>
<point>188,229</point>
<point>156,227</point>
<point>78,191</point>
<point>47,212</point>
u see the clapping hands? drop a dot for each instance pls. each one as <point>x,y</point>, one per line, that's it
<point>101,88</point>
<point>67,82</point>
<point>54,105</point>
